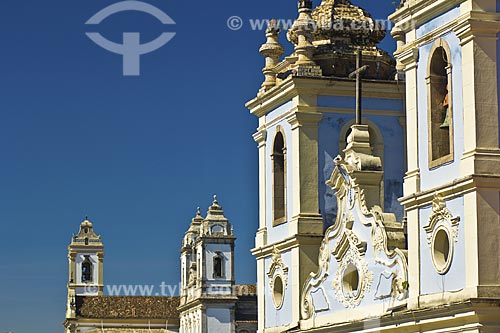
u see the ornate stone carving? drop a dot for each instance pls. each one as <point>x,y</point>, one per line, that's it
<point>349,252</point>
<point>352,279</point>
<point>441,214</point>
<point>442,233</point>
<point>319,278</point>
<point>278,270</point>
<point>352,263</point>
<point>335,19</point>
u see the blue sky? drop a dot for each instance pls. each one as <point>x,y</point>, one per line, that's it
<point>135,154</point>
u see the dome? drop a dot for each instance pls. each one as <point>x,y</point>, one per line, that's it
<point>340,20</point>
<point>338,29</point>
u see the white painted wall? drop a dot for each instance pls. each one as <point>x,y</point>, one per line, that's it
<point>211,252</point>
<point>218,320</point>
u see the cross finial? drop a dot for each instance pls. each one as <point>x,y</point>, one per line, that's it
<point>360,70</point>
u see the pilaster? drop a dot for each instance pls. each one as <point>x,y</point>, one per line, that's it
<point>100,256</point>
<point>305,154</point>
<point>409,59</point>
<point>261,291</point>
<point>413,257</point>
<point>478,36</point>
<point>261,237</point>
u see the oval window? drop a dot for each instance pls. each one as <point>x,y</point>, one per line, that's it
<point>278,292</point>
<point>350,280</point>
<point>441,251</point>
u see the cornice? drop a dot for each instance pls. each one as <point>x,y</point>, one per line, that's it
<point>466,27</point>
<point>451,190</point>
<point>114,323</point>
<point>477,24</point>
<point>307,119</point>
<point>414,13</point>
<point>85,248</point>
<point>397,320</point>
<point>296,86</point>
<point>272,99</point>
<point>409,57</point>
<point>260,137</point>
<point>285,245</point>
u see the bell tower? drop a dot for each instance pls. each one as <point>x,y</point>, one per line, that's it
<point>207,266</point>
<point>85,257</point>
<point>306,112</point>
<point>449,53</point>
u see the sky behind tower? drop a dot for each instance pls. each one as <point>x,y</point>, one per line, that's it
<point>137,154</point>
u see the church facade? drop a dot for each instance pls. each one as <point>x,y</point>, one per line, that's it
<point>387,221</point>
<point>379,188</point>
<point>209,300</point>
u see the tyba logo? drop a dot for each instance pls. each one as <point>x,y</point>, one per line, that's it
<point>131,49</point>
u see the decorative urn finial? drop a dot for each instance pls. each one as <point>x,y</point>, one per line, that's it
<point>300,34</point>
<point>271,50</point>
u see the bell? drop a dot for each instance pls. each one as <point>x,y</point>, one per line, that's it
<point>446,122</point>
<point>446,109</point>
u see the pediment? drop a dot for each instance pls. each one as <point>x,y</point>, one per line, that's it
<point>362,259</point>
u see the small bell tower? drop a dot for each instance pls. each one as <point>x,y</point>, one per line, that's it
<point>207,258</point>
<point>189,262</point>
<point>85,257</point>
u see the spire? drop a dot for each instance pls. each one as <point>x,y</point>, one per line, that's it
<point>86,235</point>
<point>215,217</point>
<point>194,227</point>
<point>215,210</point>
<point>197,219</point>
<point>271,50</point>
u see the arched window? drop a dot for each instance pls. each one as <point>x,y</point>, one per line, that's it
<point>440,115</point>
<point>87,270</point>
<point>217,230</point>
<point>218,266</point>
<point>279,179</point>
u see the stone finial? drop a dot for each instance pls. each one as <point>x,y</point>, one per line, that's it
<point>399,35</point>
<point>359,153</point>
<point>271,50</point>
<point>196,221</point>
<point>215,202</point>
<point>300,34</point>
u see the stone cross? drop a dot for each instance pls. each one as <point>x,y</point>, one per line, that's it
<point>359,84</point>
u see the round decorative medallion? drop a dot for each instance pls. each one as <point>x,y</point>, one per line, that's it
<point>353,279</point>
<point>442,234</point>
